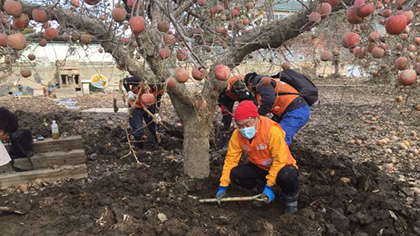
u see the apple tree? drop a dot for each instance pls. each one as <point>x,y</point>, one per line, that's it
<point>190,47</point>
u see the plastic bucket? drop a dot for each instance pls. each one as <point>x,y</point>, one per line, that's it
<point>98,82</point>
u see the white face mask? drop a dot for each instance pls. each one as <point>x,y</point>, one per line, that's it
<point>4,155</point>
<point>248,132</point>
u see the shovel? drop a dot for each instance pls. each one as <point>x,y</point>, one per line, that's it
<point>259,198</point>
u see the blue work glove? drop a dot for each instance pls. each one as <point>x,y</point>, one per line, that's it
<point>268,192</point>
<point>221,192</point>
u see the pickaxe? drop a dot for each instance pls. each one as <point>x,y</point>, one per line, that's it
<point>259,198</point>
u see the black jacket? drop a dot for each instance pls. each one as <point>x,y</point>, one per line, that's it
<point>268,97</point>
<point>130,81</point>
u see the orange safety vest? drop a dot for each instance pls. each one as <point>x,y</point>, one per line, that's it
<point>231,81</point>
<point>135,89</point>
<point>282,101</point>
<point>258,151</point>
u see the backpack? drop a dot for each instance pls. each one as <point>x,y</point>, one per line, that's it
<point>301,83</point>
<point>21,146</point>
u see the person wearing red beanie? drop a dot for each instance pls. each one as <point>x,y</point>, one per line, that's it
<point>246,117</point>
<point>245,110</point>
<point>269,159</point>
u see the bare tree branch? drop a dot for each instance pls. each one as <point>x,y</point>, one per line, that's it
<point>109,40</point>
<point>272,34</point>
<point>185,6</point>
<point>181,32</point>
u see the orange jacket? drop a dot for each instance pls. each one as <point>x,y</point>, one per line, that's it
<point>135,89</point>
<point>231,81</point>
<point>282,101</point>
<point>268,150</point>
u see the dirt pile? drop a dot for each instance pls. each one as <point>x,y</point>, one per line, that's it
<point>338,195</point>
<point>160,201</point>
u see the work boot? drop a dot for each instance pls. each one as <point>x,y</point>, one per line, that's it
<point>290,201</point>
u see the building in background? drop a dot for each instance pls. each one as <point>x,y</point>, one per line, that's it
<point>48,55</point>
<point>61,62</point>
<point>280,10</point>
<point>283,9</point>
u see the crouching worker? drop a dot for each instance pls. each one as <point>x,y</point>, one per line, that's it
<point>289,108</point>
<point>8,125</point>
<point>141,98</point>
<point>269,159</point>
<point>235,91</point>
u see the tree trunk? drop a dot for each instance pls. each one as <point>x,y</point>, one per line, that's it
<point>196,147</point>
<point>197,127</point>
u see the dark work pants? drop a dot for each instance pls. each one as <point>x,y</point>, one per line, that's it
<point>228,104</point>
<point>250,176</point>
<point>136,122</point>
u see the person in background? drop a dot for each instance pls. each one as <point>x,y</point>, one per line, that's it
<point>8,125</point>
<point>236,91</point>
<point>135,89</point>
<point>269,159</point>
<point>290,109</point>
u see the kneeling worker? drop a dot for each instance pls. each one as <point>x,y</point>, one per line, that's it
<point>269,159</point>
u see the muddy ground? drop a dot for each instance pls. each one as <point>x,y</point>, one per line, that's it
<point>359,174</point>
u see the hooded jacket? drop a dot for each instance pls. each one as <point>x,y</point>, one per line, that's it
<point>268,97</point>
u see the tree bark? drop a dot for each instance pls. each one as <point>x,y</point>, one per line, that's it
<point>196,148</point>
<point>197,128</point>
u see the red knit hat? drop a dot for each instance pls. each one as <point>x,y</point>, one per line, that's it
<point>245,110</point>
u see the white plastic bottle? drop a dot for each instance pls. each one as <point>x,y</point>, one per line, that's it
<point>54,129</point>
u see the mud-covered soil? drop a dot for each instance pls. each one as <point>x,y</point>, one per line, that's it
<point>350,183</point>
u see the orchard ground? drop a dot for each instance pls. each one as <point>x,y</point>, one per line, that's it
<point>351,184</point>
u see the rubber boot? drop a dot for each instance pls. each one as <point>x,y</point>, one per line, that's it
<point>291,203</point>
